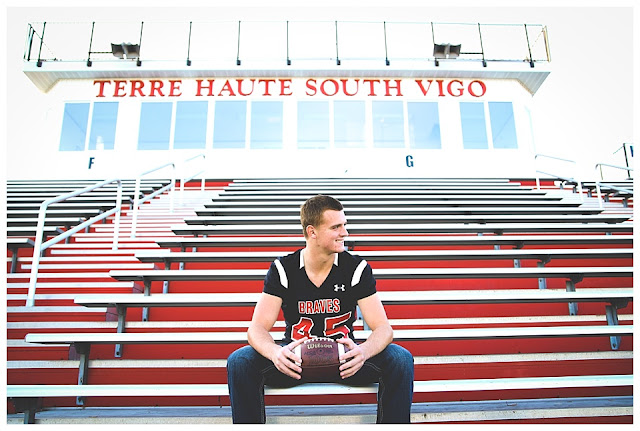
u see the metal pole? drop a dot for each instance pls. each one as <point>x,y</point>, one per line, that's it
<point>337,56</point>
<point>189,45</point>
<point>37,250</point>
<point>526,33</point>
<point>93,24</point>
<point>386,53</point>
<point>626,159</point>
<point>136,203</point>
<point>288,59</point>
<point>433,39</point>
<point>546,43</point>
<point>139,63</point>
<point>484,62</point>
<point>116,227</point>
<point>39,63</point>
<point>238,62</point>
<point>31,32</point>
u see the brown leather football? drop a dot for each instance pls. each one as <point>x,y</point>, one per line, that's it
<point>320,359</point>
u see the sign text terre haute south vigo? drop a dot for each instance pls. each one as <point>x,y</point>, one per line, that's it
<point>286,87</point>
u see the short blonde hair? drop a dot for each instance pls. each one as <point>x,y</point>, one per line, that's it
<point>312,210</point>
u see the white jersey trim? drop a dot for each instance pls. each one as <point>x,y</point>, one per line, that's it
<point>357,274</point>
<point>283,274</point>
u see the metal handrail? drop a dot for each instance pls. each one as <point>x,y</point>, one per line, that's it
<point>39,246</point>
<point>560,177</point>
<point>171,186</point>
<point>598,183</point>
<point>183,180</point>
<point>137,201</point>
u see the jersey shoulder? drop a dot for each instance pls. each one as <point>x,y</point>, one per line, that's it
<point>355,266</point>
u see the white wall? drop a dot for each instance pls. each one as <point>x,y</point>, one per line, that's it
<point>45,161</point>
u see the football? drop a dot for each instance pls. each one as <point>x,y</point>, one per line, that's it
<point>320,359</point>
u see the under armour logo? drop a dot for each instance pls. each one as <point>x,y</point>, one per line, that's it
<point>338,287</point>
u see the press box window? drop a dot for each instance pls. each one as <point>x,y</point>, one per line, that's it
<point>349,124</point>
<point>155,126</point>
<point>74,127</point>
<point>313,124</point>
<point>191,125</point>
<point>266,125</point>
<point>229,124</point>
<point>474,128</point>
<point>503,126</point>
<point>424,125</point>
<point>103,126</point>
<point>388,125</point>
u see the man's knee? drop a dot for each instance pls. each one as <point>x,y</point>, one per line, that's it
<point>240,358</point>
<point>400,354</point>
<point>401,360</point>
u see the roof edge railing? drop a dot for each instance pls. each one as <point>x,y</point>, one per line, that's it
<point>598,167</point>
<point>40,246</point>
<point>571,180</point>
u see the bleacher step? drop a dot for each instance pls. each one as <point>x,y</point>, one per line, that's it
<point>471,411</point>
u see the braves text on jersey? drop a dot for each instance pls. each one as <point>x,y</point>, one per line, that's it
<point>325,311</point>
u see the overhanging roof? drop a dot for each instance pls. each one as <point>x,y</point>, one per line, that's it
<point>49,73</point>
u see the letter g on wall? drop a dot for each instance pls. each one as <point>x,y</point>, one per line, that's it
<point>409,161</point>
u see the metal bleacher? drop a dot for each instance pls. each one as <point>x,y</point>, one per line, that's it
<point>516,302</point>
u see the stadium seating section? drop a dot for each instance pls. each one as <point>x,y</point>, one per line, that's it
<point>516,301</point>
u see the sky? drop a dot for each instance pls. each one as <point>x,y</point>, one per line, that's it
<point>583,111</point>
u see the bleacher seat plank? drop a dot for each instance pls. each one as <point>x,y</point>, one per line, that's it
<point>30,231</point>
<point>368,180</point>
<point>387,298</point>
<point>439,412</point>
<point>432,203</point>
<point>363,228</point>
<point>375,194</point>
<point>13,214</point>
<point>92,200</point>
<point>58,190</point>
<point>73,285</point>
<point>48,221</point>
<point>91,206</point>
<point>330,189</point>
<point>417,218</point>
<point>398,335</point>
<point>426,210</point>
<point>545,255</point>
<point>383,273</point>
<point>31,391</point>
<point>400,240</point>
<point>14,244</point>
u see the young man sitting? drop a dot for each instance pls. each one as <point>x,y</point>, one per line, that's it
<point>322,271</point>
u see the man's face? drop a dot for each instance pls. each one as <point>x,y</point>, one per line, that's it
<point>332,231</point>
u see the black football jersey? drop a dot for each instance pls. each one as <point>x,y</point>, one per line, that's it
<point>325,311</point>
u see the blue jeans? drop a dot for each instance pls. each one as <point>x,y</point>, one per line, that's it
<point>248,372</point>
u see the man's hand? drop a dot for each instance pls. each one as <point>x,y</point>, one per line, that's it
<point>354,358</point>
<point>285,360</point>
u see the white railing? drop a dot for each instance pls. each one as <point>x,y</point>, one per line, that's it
<point>559,177</point>
<point>41,246</point>
<point>184,180</point>
<point>599,183</point>
<point>137,201</point>
<point>170,187</point>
